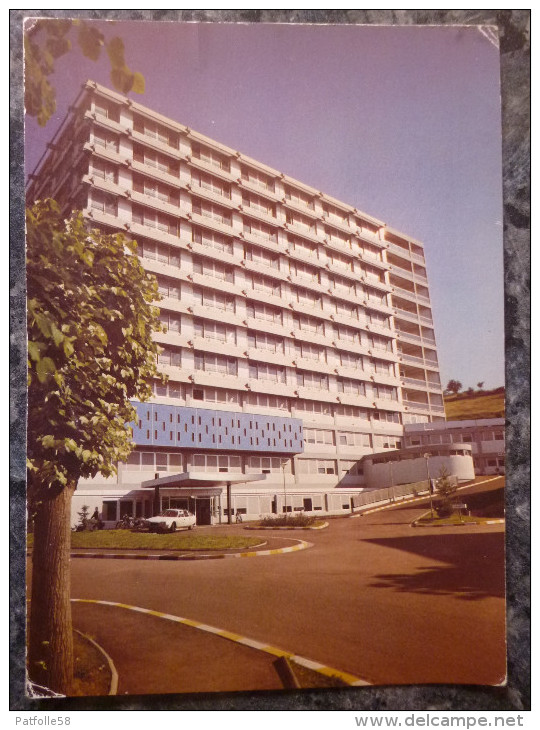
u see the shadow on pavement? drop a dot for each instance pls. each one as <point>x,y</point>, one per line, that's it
<point>474,570</point>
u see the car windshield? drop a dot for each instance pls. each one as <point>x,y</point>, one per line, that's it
<point>169,513</point>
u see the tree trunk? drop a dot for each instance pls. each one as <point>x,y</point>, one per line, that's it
<point>51,635</point>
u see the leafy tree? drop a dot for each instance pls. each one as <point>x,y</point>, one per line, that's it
<point>446,488</point>
<point>84,515</point>
<point>480,385</point>
<point>46,40</point>
<point>90,348</point>
<point>454,386</point>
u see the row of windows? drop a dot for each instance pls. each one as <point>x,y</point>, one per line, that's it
<point>175,390</point>
<point>171,138</point>
<point>107,171</point>
<point>460,438</point>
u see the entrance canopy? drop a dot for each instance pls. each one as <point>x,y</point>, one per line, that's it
<point>201,480</point>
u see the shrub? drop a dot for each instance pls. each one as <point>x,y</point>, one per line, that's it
<point>295,520</point>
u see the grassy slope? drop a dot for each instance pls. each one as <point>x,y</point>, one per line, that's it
<point>477,405</point>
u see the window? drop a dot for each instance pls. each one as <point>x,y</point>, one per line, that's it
<point>303,271</point>
<point>350,360</point>
<point>335,213</point>
<point>214,331</point>
<point>262,341</point>
<point>299,197</point>
<point>210,157</point>
<point>317,381</point>
<point>351,387</point>
<point>105,109</point>
<point>265,465</point>
<point>207,182</point>
<point>158,252</point>
<point>333,258</point>
<point>308,324</point>
<point>213,462</point>
<point>170,389</point>
<point>305,247</point>
<point>262,400</point>
<point>385,416</point>
<point>266,285</point>
<point>343,286</point>
<point>257,178</point>
<point>153,219</point>
<point>352,412</point>
<point>215,363</point>
<point>156,131</point>
<point>350,438</point>
<point>307,297</point>
<point>300,221</point>
<point>346,309</point>
<point>103,202</point>
<point>103,170</point>
<point>263,312</point>
<point>310,352</point>
<point>318,436</point>
<point>266,371</point>
<point>170,321</point>
<point>215,269</point>
<point>346,334</point>
<point>214,300</point>
<point>385,392</point>
<point>216,395</point>
<point>160,162</point>
<point>314,407</point>
<point>211,239</point>
<point>168,287</point>
<point>170,356</point>
<point>147,186</point>
<point>259,230</point>
<point>155,461</point>
<point>317,466</point>
<point>261,204</point>
<point>107,140</point>
<point>212,211</point>
<point>261,256</point>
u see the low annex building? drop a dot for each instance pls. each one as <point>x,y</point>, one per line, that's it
<point>485,436</point>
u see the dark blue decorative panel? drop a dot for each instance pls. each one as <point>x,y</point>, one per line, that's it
<point>202,428</point>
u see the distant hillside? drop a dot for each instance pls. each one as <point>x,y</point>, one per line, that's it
<point>483,404</point>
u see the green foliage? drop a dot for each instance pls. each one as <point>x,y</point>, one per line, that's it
<point>90,348</point>
<point>84,515</point>
<point>288,520</point>
<point>454,386</point>
<point>446,488</point>
<point>47,40</point>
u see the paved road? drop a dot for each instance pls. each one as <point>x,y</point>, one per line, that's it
<point>374,597</point>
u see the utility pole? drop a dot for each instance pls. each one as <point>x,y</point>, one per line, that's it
<point>426,457</point>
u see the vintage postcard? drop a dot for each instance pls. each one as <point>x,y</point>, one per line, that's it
<point>265,325</point>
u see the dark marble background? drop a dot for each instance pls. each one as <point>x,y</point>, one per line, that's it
<point>514,32</point>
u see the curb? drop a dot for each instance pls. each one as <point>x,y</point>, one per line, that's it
<point>302,545</point>
<point>349,679</point>
<point>317,527</point>
<point>113,688</point>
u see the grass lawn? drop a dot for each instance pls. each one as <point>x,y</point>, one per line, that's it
<point>452,520</point>
<point>464,407</point>
<point>126,539</point>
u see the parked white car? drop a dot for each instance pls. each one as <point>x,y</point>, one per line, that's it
<point>171,520</point>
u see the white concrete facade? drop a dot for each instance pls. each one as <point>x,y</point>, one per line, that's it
<point>278,299</point>
<point>486,437</point>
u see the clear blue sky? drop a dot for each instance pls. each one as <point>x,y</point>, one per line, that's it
<point>401,122</point>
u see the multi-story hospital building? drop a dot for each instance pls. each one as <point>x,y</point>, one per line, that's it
<point>299,329</point>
